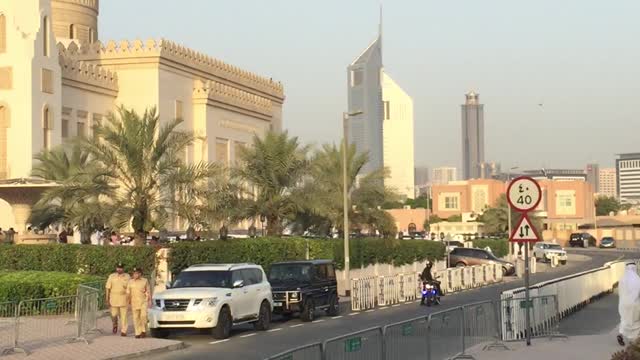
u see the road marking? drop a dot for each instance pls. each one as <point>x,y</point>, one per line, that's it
<point>408,303</point>
<point>336,317</point>
<point>396,305</point>
<point>384,307</point>
<point>248,335</point>
<point>354,313</point>
<point>219,341</point>
<point>319,321</point>
<point>368,311</point>
<point>274,330</point>
<point>295,326</point>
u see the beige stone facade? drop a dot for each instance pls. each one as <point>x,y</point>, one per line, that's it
<point>59,80</point>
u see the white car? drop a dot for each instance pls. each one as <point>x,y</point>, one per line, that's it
<point>543,251</point>
<point>214,297</point>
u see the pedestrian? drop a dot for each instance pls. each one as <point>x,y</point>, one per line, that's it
<point>114,240</point>
<point>62,237</point>
<point>139,295</point>
<point>629,304</point>
<point>117,298</point>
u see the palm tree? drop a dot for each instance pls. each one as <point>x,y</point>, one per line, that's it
<point>324,190</point>
<point>143,162</point>
<point>274,167</point>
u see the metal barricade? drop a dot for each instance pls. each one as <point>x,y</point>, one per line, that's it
<point>544,317</point>
<point>406,339</point>
<point>363,293</point>
<point>445,334</point>
<point>362,345</point>
<point>42,322</point>
<point>456,279</point>
<point>307,352</point>
<point>87,311</point>
<point>407,287</point>
<point>480,323</point>
<point>8,320</point>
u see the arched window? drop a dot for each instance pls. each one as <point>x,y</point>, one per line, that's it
<point>3,33</point>
<point>45,38</point>
<point>47,123</point>
<point>72,31</point>
<point>4,125</point>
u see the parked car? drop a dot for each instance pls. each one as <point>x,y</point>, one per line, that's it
<point>577,239</point>
<point>543,252</point>
<point>213,297</point>
<point>472,256</point>
<point>304,287</point>
<point>608,242</point>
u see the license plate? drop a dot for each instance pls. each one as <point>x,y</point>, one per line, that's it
<point>173,317</point>
<point>277,304</point>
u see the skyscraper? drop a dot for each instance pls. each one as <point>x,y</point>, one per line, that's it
<point>628,174</point>
<point>443,175</point>
<point>472,137</point>
<point>593,176</point>
<point>384,129</point>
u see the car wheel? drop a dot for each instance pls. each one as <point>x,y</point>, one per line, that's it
<point>461,264</point>
<point>563,262</point>
<point>504,271</point>
<point>264,317</point>
<point>159,333</point>
<point>223,329</point>
<point>334,306</point>
<point>308,311</point>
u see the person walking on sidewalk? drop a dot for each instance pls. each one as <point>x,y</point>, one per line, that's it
<point>116,291</point>
<point>629,304</point>
<point>139,294</point>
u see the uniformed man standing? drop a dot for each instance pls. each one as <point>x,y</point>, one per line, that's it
<point>139,294</point>
<point>117,298</point>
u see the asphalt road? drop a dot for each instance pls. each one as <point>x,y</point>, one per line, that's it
<point>247,344</point>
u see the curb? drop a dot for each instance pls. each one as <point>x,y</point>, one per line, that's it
<point>168,348</point>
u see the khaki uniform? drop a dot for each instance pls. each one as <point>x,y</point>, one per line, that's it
<point>139,293</point>
<point>117,284</point>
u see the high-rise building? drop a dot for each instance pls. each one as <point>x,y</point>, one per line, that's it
<point>608,184</point>
<point>593,176</point>
<point>421,175</point>
<point>490,170</point>
<point>628,174</point>
<point>443,175</point>
<point>472,136</point>
<point>384,129</point>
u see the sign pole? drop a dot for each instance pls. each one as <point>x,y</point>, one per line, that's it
<point>526,292</point>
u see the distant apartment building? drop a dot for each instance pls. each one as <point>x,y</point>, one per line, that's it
<point>490,170</point>
<point>608,186</point>
<point>557,174</point>
<point>421,180</point>
<point>593,176</point>
<point>470,196</point>
<point>443,175</point>
<point>472,136</point>
<point>628,175</point>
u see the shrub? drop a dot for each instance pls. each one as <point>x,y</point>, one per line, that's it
<point>499,247</point>
<point>22,285</point>
<point>265,251</point>
<point>77,259</point>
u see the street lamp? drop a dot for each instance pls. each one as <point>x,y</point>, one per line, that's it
<point>345,195</point>
<point>509,207</point>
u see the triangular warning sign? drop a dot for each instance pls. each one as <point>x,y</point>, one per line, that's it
<point>524,231</point>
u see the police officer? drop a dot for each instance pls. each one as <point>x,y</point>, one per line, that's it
<point>139,295</point>
<point>117,298</point>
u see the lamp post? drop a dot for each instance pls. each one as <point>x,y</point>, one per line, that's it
<point>345,196</point>
<point>509,208</point>
<point>262,220</point>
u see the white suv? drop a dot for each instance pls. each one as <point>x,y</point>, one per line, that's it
<point>213,297</point>
<point>543,251</point>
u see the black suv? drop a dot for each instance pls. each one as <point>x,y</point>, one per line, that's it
<point>304,287</point>
<point>577,239</point>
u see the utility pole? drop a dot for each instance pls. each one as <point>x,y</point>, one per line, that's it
<point>345,197</point>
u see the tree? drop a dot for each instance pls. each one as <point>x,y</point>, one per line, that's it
<point>421,202</point>
<point>433,219</point>
<point>606,205</point>
<point>496,221</point>
<point>142,164</point>
<point>275,167</point>
<point>455,218</point>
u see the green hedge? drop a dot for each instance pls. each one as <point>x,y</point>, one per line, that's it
<point>21,285</point>
<point>77,259</point>
<point>499,247</point>
<point>265,251</point>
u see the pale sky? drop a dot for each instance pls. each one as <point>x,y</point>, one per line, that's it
<point>579,58</point>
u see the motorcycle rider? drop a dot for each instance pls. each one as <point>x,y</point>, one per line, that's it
<point>426,276</point>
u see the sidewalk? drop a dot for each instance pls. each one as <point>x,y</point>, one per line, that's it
<point>46,339</point>
<point>591,336</point>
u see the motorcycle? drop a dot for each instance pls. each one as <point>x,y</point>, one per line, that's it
<point>430,295</point>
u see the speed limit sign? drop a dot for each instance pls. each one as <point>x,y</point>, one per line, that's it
<point>524,194</point>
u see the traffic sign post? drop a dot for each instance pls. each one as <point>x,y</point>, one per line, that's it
<point>524,195</point>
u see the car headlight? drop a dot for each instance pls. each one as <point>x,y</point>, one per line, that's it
<point>294,295</point>
<point>210,302</point>
<point>157,304</point>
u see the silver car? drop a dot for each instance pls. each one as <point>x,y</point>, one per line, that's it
<point>543,251</point>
